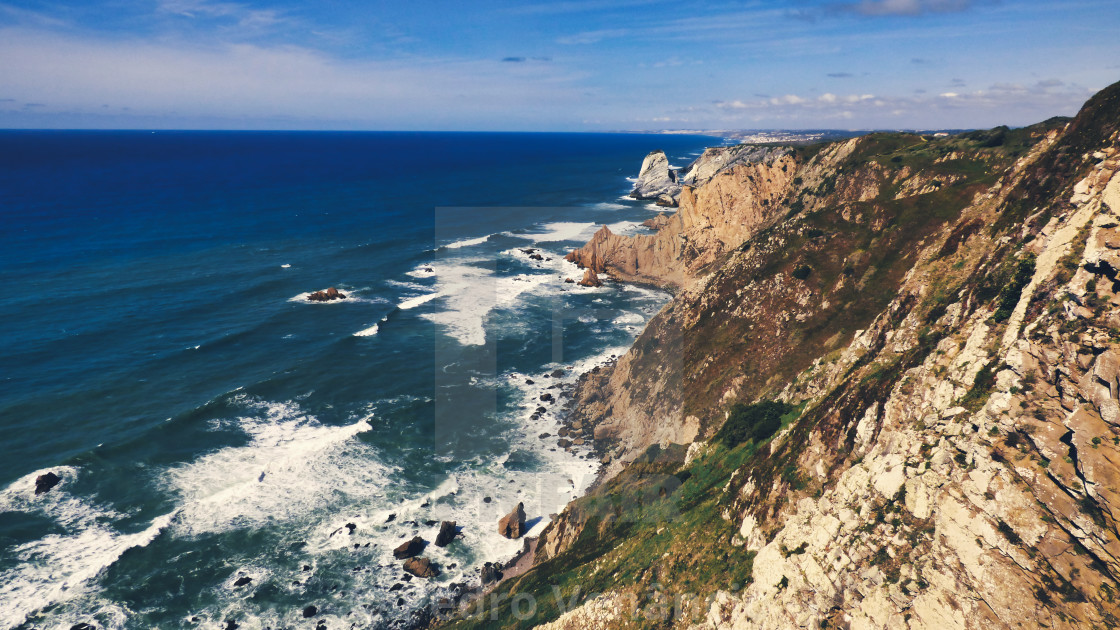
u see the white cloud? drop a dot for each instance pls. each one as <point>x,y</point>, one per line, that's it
<point>244,81</point>
<point>903,7</point>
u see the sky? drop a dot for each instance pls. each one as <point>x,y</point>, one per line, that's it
<point>565,65</point>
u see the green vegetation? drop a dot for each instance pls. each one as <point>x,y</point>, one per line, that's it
<point>1011,293</point>
<point>757,422</point>
<point>981,388</point>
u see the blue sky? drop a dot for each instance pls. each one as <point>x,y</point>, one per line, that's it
<point>569,65</point>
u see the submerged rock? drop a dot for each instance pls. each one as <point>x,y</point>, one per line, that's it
<point>310,611</point>
<point>512,525</point>
<point>46,481</point>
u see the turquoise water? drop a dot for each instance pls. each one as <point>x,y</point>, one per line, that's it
<point>211,424</point>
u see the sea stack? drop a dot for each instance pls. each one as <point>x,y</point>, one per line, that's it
<point>656,178</point>
<point>512,525</point>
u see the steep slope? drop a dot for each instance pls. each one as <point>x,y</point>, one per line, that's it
<point>938,321</point>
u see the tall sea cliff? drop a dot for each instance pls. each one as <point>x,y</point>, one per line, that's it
<point>884,395</point>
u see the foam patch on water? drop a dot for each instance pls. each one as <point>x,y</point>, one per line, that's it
<point>470,242</point>
<point>60,567</point>
<point>561,231</point>
<point>292,465</point>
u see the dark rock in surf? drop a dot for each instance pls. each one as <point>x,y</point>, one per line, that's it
<point>421,567</point>
<point>46,481</point>
<point>409,549</point>
<point>447,533</point>
<point>326,296</point>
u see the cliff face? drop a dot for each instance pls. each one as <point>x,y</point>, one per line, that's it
<point>939,321</point>
<point>710,221</point>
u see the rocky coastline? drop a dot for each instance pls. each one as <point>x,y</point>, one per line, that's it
<point>934,318</point>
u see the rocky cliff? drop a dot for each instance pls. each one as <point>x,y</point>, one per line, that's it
<point>711,220</point>
<point>894,403</point>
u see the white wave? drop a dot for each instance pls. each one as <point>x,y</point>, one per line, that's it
<point>413,302</point>
<point>60,567</point>
<point>607,205</point>
<point>561,231</point>
<point>285,266</point>
<point>629,319</point>
<point>291,467</point>
<point>627,197</point>
<point>422,271</point>
<point>368,332</point>
<point>470,242</point>
<point>470,294</point>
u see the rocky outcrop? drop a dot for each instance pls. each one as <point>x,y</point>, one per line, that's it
<point>421,567</point>
<point>656,178</point>
<point>409,548</point>
<point>326,296</point>
<point>512,525</point>
<point>711,222</point>
<point>46,481</point>
<point>447,533</point>
<point>590,279</point>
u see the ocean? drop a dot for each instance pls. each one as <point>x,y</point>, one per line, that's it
<point>210,424</point>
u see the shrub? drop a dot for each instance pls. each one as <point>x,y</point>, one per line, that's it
<point>757,422</point>
<point>1009,297</point>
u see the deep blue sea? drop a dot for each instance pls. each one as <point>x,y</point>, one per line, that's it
<point>210,424</point>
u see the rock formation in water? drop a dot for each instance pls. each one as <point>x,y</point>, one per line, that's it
<point>655,178</point>
<point>590,279</point>
<point>326,296</point>
<point>46,481</point>
<point>512,525</point>
<point>447,533</point>
<point>421,567</point>
<point>894,403</point>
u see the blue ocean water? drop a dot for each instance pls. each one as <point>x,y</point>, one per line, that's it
<point>211,424</point>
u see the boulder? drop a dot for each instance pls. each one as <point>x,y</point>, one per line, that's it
<point>590,279</point>
<point>569,281</point>
<point>512,525</point>
<point>83,626</point>
<point>421,567</point>
<point>409,549</point>
<point>326,296</point>
<point>310,611</point>
<point>243,580</point>
<point>46,481</point>
<point>447,532</point>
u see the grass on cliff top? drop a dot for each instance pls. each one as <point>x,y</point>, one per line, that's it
<point>655,534</point>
